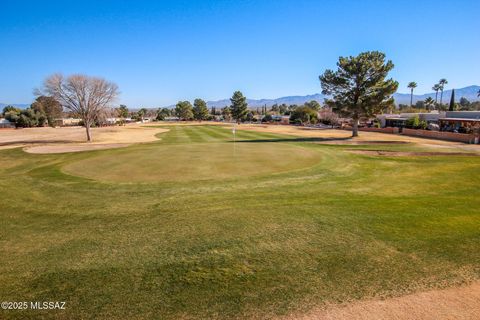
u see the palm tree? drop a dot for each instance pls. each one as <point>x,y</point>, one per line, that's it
<point>436,88</point>
<point>412,85</point>
<point>429,102</point>
<point>442,84</point>
<point>478,94</point>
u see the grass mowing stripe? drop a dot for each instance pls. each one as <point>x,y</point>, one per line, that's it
<point>195,134</point>
<point>210,134</point>
<point>221,134</point>
<point>253,135</point>
<point>176,135</point>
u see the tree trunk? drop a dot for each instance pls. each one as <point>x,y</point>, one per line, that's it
<point>411,98</point>
<point>87,127</point>
<point>355,127</point>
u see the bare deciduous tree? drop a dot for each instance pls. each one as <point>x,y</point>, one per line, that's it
<point>85,96</point>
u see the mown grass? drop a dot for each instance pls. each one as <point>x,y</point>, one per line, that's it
<point>259,245</point>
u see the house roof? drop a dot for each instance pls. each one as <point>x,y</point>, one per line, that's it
<point>460,119</point>
<point>396,118</point>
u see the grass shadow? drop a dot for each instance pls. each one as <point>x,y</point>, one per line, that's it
<point>299,139</point>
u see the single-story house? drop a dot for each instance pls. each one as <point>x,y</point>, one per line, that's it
<point>281,119</point>
<point>65,122</point>
<point>461,122</point>
<point>399,120</point>
<point>172,119</point>
<point>4,123</point>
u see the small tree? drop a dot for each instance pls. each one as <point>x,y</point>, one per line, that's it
<point>304,115</point>
<point>267,118</point>
<point>200,110</point>
<point>162,113</point>
<point>239,107</point>
<point>420,105</point>
<point>359,87</point>
<point>313,105</point>
<point>464,102</point>
<point>87,97</point>
<point>141,114</point>
<point>413,122</point>
<point>226,113</point>
<point>10,109</point>
<point>275,108</point>
<point>429,103</point>
<point>48,106</point>
<point>183,110</point>
<point>122,111</point>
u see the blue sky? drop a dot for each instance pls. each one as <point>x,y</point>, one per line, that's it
<point>159,52</point>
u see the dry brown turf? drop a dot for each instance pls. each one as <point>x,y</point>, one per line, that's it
<point>72,139</point>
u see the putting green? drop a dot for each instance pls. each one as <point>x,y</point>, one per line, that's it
<point>194,162</point>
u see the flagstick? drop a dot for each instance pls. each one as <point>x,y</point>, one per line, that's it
<point>234,139</point>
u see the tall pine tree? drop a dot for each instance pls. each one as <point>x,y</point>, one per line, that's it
<point>239,107</point>
<point>359,88</point>
<point>200,110</point>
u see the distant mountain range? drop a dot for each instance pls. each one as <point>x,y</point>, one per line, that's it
<point>470,92</point>
<point>18,105</point>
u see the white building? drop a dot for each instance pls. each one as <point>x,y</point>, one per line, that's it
<point>4,123</point>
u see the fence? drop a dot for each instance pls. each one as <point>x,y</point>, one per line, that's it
<point>382,130</point>
<point>442,135</point>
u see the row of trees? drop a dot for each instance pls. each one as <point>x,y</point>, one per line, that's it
<point>429,104</point>
<point>44,110</point>
<point>438,87</point>
<point>24,118</point>
<point>238,110</point>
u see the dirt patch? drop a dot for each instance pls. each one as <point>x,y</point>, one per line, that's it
<point>74,147</point>
<point>459,303</point>
<point>72,139</point>
<point>355,143</point>
<point>389,153</point>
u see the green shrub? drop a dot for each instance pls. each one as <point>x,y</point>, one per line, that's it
<point>413,122</point>
<point>305,115</point>
<point>267,118</point>
<point>26,118</point>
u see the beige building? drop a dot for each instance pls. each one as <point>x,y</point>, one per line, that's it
<point>67,122</point>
